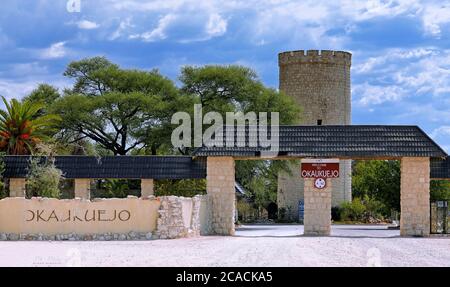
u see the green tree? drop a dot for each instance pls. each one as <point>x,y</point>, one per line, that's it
<point>378,179</point>
<point>120,110</point>
<point>440,190</point>
<point>236,88</point>
<point>43,94</point>
<point>21,129</point>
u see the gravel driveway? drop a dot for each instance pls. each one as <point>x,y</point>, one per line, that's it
<point>253,245</point>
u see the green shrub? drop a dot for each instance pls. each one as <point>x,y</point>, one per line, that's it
<point>353,210</point>
<point>43,178</point>
<point>115,188</point>
<point>439,190</point>
<point>246,211</point>
<point>374,208</point>
<point>181,187</point>
<point>366,210</point>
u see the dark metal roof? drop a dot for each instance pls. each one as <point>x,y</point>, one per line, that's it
<point>440,168</point>
<point>351,141</point>
<point>132,167</point>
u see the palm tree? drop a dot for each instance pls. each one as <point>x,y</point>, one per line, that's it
<point>21,128</point>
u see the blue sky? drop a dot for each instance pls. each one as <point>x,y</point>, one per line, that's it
<point>401,49</point>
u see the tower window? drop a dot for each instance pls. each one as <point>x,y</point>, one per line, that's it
<point>319,122</point>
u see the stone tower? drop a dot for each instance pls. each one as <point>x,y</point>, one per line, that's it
<point>319,81</point>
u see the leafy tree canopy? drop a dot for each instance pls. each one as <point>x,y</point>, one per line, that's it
<point>236,88</point>
<point>378,179</point>
<point>119,109</point>
<point>43,94</point>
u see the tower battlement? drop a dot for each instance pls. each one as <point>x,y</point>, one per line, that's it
<point>315,56</point>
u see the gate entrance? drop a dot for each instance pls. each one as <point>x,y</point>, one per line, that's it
<point>408,144</point>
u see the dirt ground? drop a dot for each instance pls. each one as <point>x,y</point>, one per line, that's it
<point>253,245</point>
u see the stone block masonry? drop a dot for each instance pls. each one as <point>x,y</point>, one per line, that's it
<point>415,197</point>
<point>220,188</point>
<point>178,217</point>
<point>147,187</point>
<point>317,208</point>
<point>83,188</point>
<point>17,187</point>
<point>147,218</point>
<point>319,82</point>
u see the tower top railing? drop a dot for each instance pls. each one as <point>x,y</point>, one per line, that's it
<point>315,56</point>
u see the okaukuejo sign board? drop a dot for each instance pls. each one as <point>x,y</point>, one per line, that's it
<point>320,170</point>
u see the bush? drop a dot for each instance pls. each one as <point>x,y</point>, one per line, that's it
<point>43,178</point>
<point>246,211</point>
<point>115,188</point>
<point>439,190</point>
<point>181,187</point>
<point>374,208</point>
<point>353,210</point>
<point>367,210</point>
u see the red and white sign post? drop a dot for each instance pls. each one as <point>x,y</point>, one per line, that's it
<point>320,170</point>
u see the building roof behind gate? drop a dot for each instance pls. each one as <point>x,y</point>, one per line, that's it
<point>440,168</point>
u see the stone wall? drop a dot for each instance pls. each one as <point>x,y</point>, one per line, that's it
<point>103,219</point>
<point>178,217</point>
<point>205,215</point>
<point>415,197</point>
<point>319,81</point>
<point>220,187</point>
<point>147,187</point>
<point>17,187</point>
<point>317,208</point>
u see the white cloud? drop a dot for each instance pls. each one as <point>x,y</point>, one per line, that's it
<point>391,56</point>
<point>159,32</point>
<point>216,25</point>
<point>19,88</point>
<point>441,131</point>
<point>12,89</point>
<point>27,69</point>
<point>87,25</point>
<point>56,50</point>
<point>434,16</point>
<point>404,75</point>
<point>124,25</point>
<point>368,94</point>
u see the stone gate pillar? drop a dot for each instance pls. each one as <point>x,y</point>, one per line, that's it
<point>415,196</point>
<point>220,189</point>
<point>147,187</point>
<point>317,216</point>
<point>17,187</point>
<point>83,188</point>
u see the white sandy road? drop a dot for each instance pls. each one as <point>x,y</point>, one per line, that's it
<point>253,245</point>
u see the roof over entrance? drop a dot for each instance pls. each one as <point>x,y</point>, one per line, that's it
<point>343,141</point>
<point>132,167</point>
